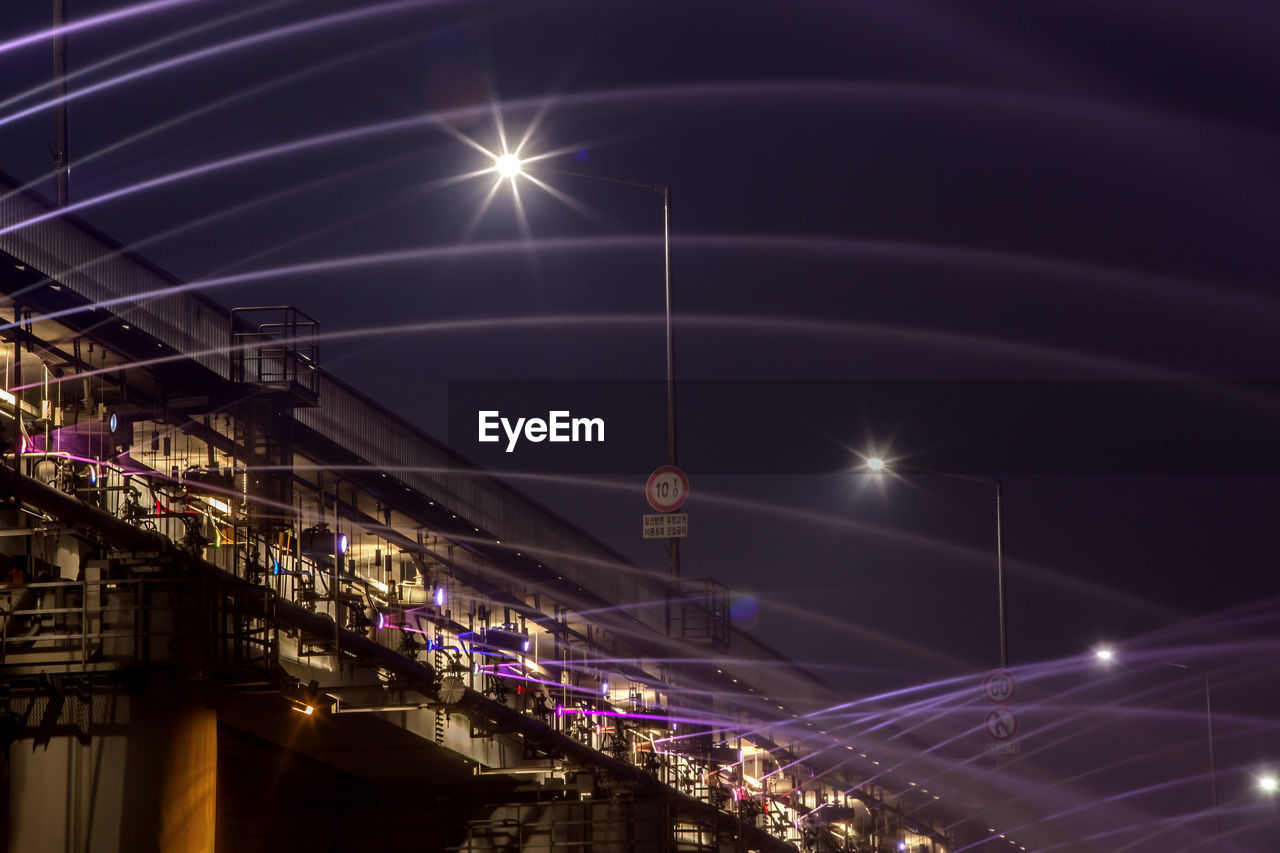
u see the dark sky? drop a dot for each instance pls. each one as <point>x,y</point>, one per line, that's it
<point>896,191</point>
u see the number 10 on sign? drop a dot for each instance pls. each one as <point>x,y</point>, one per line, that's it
<point>667,488</point>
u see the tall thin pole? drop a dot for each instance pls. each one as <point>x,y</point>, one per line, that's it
<point>1004,641</point>
<point>1213,767</point>
<point>673,547</point>
<point>999,487</point>
<point>673,544</point>
<point>61,157</point>
<point>1213,764</point>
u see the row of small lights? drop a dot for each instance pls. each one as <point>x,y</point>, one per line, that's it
<point>1010,840</point>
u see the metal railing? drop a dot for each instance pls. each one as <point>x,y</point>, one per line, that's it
<point>135,621</point>
<point>282,351</point>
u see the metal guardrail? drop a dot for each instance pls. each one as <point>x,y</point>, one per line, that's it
<point>111,623</point>
<point>276,345</point>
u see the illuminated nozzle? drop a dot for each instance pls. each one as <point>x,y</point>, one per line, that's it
<point>304,709</point>
<point>875,463</point>
<point>508,165</point>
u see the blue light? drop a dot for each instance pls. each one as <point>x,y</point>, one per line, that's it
<point>342,544</point>
<point>439,596</point>
<point>604,688</point>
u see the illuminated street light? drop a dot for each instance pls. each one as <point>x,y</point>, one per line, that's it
<point>1268,784</point>
<point>877,464</point>
<point>508,166</point>
<point>1107,655</point>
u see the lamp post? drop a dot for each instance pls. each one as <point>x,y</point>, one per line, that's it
<point>510,166</point>
<point>1107,655</point>
<point>879,465</point>
<point>1213,767</point>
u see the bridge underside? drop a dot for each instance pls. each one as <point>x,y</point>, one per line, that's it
<point>164,771</point>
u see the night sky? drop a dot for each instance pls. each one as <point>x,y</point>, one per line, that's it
<point>1002,197</point>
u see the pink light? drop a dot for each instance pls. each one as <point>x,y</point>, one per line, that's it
<point>661,718</point>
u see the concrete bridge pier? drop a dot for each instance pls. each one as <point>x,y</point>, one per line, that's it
<point>113,771</point>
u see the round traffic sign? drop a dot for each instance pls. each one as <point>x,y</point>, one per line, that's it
<point>1001,724</point>
<point>998,686</point>
<point>667,488</point>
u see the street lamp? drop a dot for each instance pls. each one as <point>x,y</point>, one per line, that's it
<point>1268,784</point>
<point>1106,654</point>
<point>510,166</point>
<point>1213,770</point>
<point>878,465</point>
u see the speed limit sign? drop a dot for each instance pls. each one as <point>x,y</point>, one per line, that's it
<point>998,686</point>
<point>667,488</point>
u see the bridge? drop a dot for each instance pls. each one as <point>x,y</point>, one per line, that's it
<point>246,608</point>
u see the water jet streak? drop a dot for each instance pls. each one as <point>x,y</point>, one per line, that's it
<point>219,52</point>
<point>795,326</point>
<point>1205,296</point>
<point>131,52</point>
<point>42,37</point>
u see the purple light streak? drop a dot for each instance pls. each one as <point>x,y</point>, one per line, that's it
<point>43,36</point>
